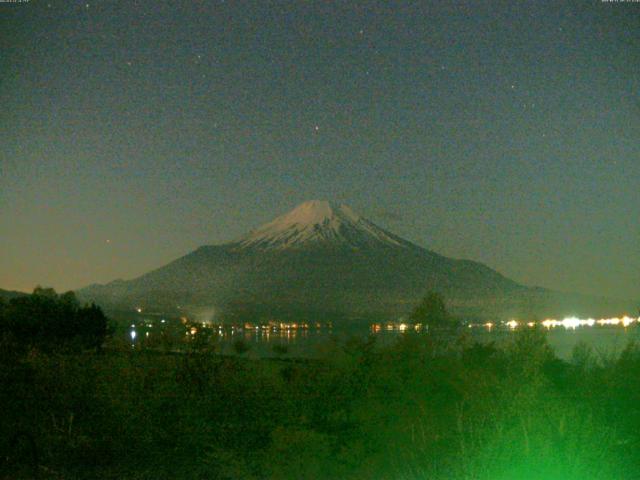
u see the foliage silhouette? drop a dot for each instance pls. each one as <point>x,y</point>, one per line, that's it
<point>431,311</point>
<point>405,410</point>
<point>46,319</point>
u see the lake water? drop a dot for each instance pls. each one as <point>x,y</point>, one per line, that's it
<point>262,341</point>
<point>609,340</point>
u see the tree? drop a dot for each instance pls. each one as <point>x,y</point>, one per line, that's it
<point>48,319</point>
<point>45,292</point>
<point>431,311</point>
<point>69,299</point>
<point>93,326</point>
<point>3,308</point>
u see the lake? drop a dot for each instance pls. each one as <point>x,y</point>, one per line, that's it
<point>606,336</point>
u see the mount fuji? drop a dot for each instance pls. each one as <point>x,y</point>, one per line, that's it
<point>324,261</point>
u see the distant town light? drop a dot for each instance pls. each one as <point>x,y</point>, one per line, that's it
<point>571,322</point>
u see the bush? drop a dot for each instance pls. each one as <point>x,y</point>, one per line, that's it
<point>408,410</point>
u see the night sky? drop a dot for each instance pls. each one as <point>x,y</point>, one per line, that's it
<point>504,132</point>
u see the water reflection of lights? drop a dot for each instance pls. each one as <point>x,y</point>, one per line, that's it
<point>292,332</point>
<point>574,322</point>
<point>568,323</point>
<point>250,331</point>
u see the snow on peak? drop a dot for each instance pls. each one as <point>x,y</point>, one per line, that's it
<point>309,213</point>
<point>317,212</point>
<point>318,221</point>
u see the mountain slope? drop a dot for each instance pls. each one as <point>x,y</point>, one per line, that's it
<point>9,294</point>
<point>324,260</point>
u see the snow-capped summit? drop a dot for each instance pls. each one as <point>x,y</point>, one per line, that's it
<point>319,222</point>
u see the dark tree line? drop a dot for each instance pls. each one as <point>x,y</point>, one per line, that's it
<point>46,318</point>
